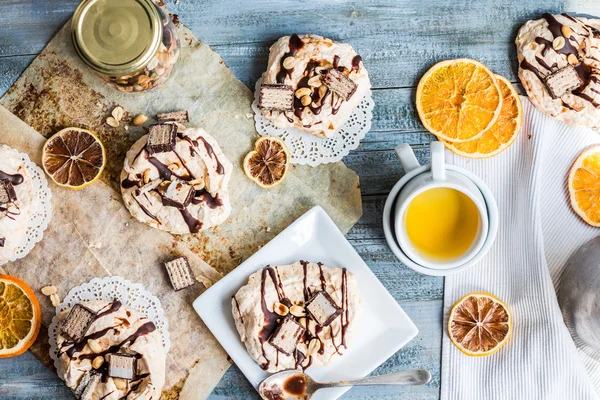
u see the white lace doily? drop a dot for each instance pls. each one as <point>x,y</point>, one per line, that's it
<point>42,212</point>
<point>313,150</point>
<point>133,296</point>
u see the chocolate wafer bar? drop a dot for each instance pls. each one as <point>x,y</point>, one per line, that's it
<point>340,84</point>
<point>276,98</point>
<point>7,192</point>
<point>175,116</point>
<point>161,138</point>
<point>87,385</point>
<point>179,194</point>
<point>322,308</point>
<point>180,273</point>
<point>563,81</point>
<point>286,336</point>
<point>78,322</point>
<point>122,366</point>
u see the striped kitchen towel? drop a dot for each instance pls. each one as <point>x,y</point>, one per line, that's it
<point>538,232</point>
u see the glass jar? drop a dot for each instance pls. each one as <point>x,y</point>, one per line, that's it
<point>131,44</point>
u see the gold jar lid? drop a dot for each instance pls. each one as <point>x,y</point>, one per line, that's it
<point>116,37</point>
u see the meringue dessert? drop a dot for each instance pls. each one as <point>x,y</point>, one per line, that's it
<point>107,351</point>
<point>312,83</point>
<point>175,180</point>
<point>18,202</point>
<point>559,66</point>
<point>296,316</point>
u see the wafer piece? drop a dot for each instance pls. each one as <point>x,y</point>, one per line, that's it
<point>7,192</point>
<point>122,366</point>
<point>276,98</point>
<point>180,273</point>
<point>78,322</point>
<point>175,116</point>
<point>286,336</point>
<point>340,84</point>
<point>87,385</point>
<point>161,138</point>
<point>563,81</point>
<point>179,194</point>
<point>322,308</point>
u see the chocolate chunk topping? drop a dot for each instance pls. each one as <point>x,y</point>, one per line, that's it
<point>322,308</point>
<point>175,116</point>
<point>7,192</point>
<point>286,336</point>
<point>276,98</point>
<point>122,366</point>
<point>340,84</point>
<point>179,194</point>
<point>78,322</point>
<point>180,273</point>
<point>161,138</point>
<point>563,81</point>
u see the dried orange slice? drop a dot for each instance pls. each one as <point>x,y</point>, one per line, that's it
<point>480,324</point>
<point>584,186</point>
<point>504,131</point>
<point>74,158</point>
<point>458,100</point>
<point>20,316</point>
<point>268,163</point>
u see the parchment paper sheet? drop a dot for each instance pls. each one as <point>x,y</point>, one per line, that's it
<point>92,234</point>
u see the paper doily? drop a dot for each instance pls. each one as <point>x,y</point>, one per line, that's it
<point>41,216</point>
<point>312,150</point>
<point>132,295</point>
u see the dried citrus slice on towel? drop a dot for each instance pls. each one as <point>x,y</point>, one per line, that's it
<point>74,158</point>
<point>504,131</point>
<point>268,163</point>
<point>458,100</point>
<point>584,186</point>
<point>479,324</point>
<point>20,316</point>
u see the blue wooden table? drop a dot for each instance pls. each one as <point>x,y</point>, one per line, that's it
<point>398,40</point>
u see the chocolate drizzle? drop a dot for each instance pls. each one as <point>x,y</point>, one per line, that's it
<point>528,66</point>
<point>203,196</point>
<point>270,318</point>
<point>544,42</point>
<point>550,68</point>
<point>211,152</point>
<point>294,45</point>
<point>15,179</point>
<point>193,224</point>
<point>143,330</point>
<point>237,306</point>
<point>356,63</point>
<point>344,306</point>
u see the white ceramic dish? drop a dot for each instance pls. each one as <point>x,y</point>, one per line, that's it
<point>382,331</point>
<point>390,236</point>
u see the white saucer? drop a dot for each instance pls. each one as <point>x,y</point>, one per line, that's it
<point>390,236</point>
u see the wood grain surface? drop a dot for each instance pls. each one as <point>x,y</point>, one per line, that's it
<point>398,40</point>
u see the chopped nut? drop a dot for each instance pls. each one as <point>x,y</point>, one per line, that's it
<point>323,91</point>
<point>143,79</point>
<point>297,311</point>
<point>94,346</point>
<point>566,31</point>
<point>147,176</point>
<point>139,119</point>
<point>572,59</point>
<point>120,383</point>
<point>175,166</point>
<point>313,347</point>
<point>281,309</point>
<point>558,43</point>
<point>302,322</point>
<point>306,100</point>
<point>49,290</point>
<point>315,81</point>
<point>112,122</point>
<point>302,92</point>
<point>97,362</point>
<point>55,300</point>
<point>117,113</point>
<point>289,62</point>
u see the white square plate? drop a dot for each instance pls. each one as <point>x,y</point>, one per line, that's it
<point>382,331</point>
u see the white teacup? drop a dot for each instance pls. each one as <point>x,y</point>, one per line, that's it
<point>436,177</point>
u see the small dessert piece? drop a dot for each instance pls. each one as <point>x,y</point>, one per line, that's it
<point>276,98</point>
<point>161,138</point>
<point>87,385</point>
<point>78,322</point>
<point>563,81</point>
<point>122,366</point>
<point>7,192</point>
<point>175,116</point>
<point>322,308</point>
<point>179,194</point>
<point>180,273</point>
<point>340,84</point>
<point>286,336</point>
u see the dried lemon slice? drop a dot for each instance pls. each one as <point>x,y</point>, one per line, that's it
<point>458,100</point>
<point>74,158</point>
<point>480,324</point>
<point>584,186</point>
<point>20,316</point>
<point>504,131</point>
<point>268,163</point>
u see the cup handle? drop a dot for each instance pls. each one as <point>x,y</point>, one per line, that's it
<point>407,158</point>
<point>438,162</point>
